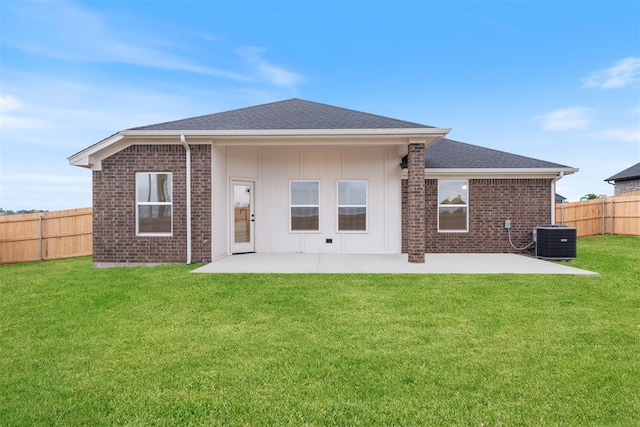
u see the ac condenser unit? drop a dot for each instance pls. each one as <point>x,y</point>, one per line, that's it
<point>555,242</point>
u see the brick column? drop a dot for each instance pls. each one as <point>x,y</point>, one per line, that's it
<point>416,203</point>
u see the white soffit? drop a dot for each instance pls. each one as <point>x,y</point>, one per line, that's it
<point>92,156</point>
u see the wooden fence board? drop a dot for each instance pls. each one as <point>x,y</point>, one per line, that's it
<point>48,235</point>
<point>69,233</point>
<point>618,214</point>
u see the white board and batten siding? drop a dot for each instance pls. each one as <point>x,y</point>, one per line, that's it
<point>273,168</point>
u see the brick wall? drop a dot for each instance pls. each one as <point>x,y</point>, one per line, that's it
<point>629,186</point>
<point>415,203</point>
<point>114,204</point>
<point>526,202</point>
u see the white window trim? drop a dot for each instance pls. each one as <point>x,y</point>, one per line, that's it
<point>466,230</point>
<point>138,233</point>
<point>306,206</point>
<point>366,206</point>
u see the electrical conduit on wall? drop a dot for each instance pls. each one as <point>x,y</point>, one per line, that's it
<point>553,198</point>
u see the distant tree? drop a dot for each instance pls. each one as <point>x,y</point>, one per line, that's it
<point>592,196</point>
<point>29,211</point>
<point>23,211</point>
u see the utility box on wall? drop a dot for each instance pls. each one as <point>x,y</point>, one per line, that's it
<point>555,242</point>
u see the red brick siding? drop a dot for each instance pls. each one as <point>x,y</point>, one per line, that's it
<point>114,204</point>
<point>415,203</point>
<point>526,202</point>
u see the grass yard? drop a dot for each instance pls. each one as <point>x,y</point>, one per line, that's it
<point>160,346</point>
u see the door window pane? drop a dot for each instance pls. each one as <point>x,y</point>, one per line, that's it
<point>242,213</point>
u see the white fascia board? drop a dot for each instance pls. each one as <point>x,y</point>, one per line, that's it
<point>87,157</point>
<point>434,173</point>
<point>92,156</point>
<point>265,133</point>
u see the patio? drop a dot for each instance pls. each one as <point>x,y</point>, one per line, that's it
<point>387,264</point>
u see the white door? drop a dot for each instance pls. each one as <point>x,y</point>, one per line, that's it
<point>243,219</point>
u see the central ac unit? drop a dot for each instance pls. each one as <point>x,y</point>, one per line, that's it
<point>555,242</point>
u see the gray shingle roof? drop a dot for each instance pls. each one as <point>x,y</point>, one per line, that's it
<point>630,173</point>
<point>450,154</point>
<point>289,114</point>
<point>296,113</point>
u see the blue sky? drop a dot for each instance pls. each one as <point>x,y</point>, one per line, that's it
<point>556,80</point>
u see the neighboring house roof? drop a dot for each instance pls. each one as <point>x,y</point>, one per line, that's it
<point>630,173</point>
<point>451,154</point>
<point>560,198</point>
<point>290,114</point>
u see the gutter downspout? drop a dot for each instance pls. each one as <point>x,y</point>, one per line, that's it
<point>553,198</point>
<point>188,154</point>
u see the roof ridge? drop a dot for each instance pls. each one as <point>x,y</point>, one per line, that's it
<point>360,112</point>
<point>211,114</point>
<point>284,101</point>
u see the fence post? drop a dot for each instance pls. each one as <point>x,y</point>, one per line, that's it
<point>40,238</point>
<point>603,217</point>
<point>612,217</point>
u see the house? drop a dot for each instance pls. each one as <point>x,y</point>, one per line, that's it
<point>626,181</point>
<point>300,176</point>
<point>560,198</point>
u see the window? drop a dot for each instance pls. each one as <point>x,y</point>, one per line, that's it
<point>453,206</point>
<point>153,203</point>
<point>304,211</point>
<point>352,206</point>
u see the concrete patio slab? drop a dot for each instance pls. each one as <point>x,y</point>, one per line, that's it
<point>387,263</point>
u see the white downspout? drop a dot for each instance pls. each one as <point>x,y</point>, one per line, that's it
<point>553,198</point>
<point>188,153</point>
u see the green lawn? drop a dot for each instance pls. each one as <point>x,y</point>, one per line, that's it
<point>160,346</point>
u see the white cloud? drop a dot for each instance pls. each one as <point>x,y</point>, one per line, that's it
<point>624,73</point>
<point>620,134</point>
<point>9,105</point>
<point>273,74</point>
<point>78,34</point>
<point>565,119</point>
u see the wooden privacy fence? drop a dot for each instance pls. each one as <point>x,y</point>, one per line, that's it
<point>608,215</point>
<point>43,236</point>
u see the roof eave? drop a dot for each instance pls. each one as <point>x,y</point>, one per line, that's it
<point>408,132</point>
<point>87,157</point>
<point>498,172</point>
<point>92,156</point>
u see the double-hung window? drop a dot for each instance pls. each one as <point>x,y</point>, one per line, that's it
<point>304,206</point>
<point>453,205</point>
<point>352,206</point>
<point>154,204</point>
